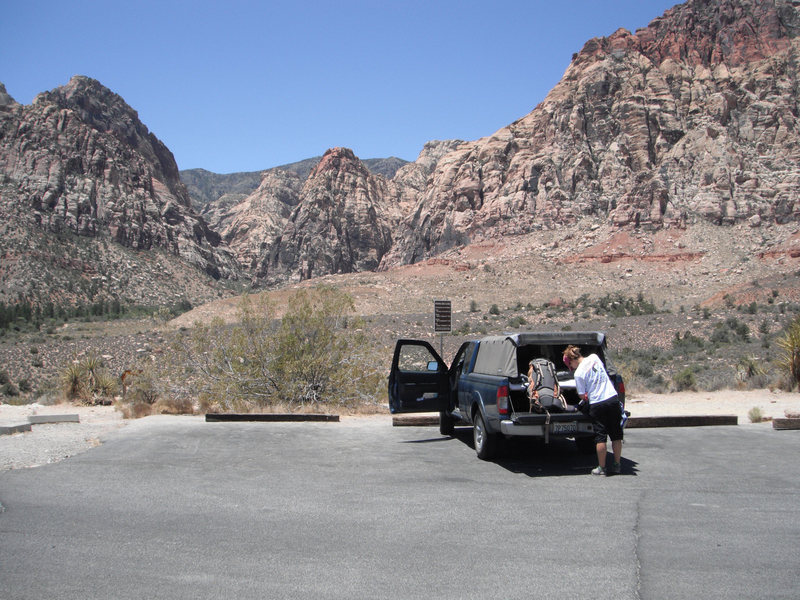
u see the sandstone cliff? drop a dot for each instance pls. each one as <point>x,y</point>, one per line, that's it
<point>340,224</point>
<point>692,118</point>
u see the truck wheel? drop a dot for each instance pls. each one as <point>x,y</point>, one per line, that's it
<point>446,423</point>
<point>485,442</point>
<point>586,445</point>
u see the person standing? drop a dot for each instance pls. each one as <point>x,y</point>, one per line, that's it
<point>595,388</point>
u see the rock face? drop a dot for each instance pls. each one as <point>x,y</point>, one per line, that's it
<point>78,160</point>
<point>692,118</point>
<point>340,225</point>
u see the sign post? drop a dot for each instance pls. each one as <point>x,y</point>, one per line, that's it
<point>442,320</point>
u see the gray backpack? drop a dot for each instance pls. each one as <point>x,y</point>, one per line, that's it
<point>543,381</point>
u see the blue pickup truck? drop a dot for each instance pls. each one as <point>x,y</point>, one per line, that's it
<point>485,387</point>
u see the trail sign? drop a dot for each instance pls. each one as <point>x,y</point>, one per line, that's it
<point>442,316</point>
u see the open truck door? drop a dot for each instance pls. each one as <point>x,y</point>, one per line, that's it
<point>419,380</point>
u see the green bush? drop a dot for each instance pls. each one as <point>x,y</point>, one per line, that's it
<point>310,356</point>
<point>685,380</point>
<point>9,389</point>
<point>755,415</point>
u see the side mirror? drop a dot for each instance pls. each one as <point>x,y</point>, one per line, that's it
<point>433,365</point>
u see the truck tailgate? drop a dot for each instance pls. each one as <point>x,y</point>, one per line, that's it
<point>537,425</point>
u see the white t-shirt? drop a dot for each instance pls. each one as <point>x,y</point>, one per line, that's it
<point>591,378</point>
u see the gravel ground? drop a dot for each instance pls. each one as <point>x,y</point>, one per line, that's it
<point>49,443</point>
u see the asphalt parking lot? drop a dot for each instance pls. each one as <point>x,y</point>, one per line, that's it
<point>182,508</point>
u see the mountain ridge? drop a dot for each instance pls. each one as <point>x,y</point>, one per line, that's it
<point>688,121</point>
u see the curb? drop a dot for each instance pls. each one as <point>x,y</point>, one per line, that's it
<point>681,421</point>
<point>632,423</point>
<point>269,417</point>
<point>786,423</point>
<point>40,419</point>
<point>9,429</point>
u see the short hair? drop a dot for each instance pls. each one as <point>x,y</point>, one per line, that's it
<point>572,352</point>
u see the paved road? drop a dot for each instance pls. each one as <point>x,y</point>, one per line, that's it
<point>180,508</point>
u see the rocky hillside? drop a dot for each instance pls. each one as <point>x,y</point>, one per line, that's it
<point>80,173</point>
<point>694,118</point>
<point>689,122</point>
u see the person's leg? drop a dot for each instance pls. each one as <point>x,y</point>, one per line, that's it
<point>616,448</point>
<point>601,454</point>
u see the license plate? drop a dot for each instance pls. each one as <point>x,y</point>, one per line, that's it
<point>564,428</point>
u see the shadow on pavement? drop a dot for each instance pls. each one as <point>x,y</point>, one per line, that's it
<point>534,458</point>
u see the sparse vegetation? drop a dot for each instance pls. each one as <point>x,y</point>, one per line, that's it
<point>685,380</point>
<point>310,357</point>
<point>755,415</point>
<point>87,381</point>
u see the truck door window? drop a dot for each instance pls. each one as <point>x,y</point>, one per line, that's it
<point>414,359</point>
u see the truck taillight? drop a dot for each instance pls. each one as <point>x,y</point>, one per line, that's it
<point>502,399</point>
<point>620,386</point>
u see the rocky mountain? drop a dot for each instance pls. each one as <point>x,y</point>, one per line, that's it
<point>693,118</point>
<point>79,166</point>
<point>341,224</point>
<point>690,122</point>
<point>206,187</point>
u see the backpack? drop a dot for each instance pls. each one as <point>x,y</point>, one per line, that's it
<point>543,380</point>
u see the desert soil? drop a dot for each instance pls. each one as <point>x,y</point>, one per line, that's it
<point>49,443</point>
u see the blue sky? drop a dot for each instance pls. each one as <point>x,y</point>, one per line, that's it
<point>245,85</point>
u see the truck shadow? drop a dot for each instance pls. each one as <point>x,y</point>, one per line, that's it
<point>534,458</point>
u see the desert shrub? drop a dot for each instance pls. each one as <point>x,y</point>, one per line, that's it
<point>748,367</point>
<point>4,379</point>
<point>308,357</point>
<point>9,389</point>
<point>473,306</point>
<point>494,310</point>
<point>688,343</point>
<point>732,330</point>
<point>617,305</point>
<point>143,390</point>
<point>685,380</point>
<point>174,406</point>
<point>87,381</point>
<point>139,410</point>
<point>755,415</point>
<point>24,386</point>
<point>516,322</point>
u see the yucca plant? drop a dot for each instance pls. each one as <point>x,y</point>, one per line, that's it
<point>73,381</point>
<point>789,344</point>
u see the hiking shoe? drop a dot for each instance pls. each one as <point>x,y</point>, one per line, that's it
<point>598,471</point>
<point>616,468</point>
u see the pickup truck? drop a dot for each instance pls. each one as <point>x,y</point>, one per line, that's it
<point>485,387</point>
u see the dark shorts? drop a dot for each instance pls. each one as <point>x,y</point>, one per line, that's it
<point>607,417</point>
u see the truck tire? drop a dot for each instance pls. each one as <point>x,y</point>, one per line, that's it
<point>586,444</point>
<point>485,442</point>
<point>447,423</point>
